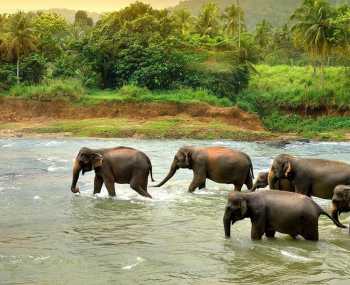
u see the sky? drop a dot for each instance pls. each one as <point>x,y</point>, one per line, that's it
<point>88,5</point>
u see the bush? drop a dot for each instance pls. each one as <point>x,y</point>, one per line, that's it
<point>33,69</point>
<point>133,91</point>
<point>7,76</point>
<point>51,90</point>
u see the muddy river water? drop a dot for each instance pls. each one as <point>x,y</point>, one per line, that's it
<point>50,236</point>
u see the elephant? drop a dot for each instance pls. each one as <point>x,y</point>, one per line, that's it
<point>266,178</point>
<point>122,165</point>
<point>311,177</point>
<point>340,201</point>
<point>275,211</point>
<point>219,164</point>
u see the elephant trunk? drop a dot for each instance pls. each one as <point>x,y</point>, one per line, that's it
<point>76,171</point>
<point>227,223</point>
<point>171,173</point>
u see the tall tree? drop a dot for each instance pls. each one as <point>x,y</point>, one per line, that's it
<point>207,22</point>
<point>313,28</point>
<point>263,34</point>
<point>183,19</point>
<point>20,38</point>
<point>233,20</point>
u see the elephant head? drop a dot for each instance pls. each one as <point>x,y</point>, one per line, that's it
<point>236,209</point>
<point>340,201</point>
<point>182,159</point>
<point>282,166</point>
<point>261,181</point>
<point>86,160</point>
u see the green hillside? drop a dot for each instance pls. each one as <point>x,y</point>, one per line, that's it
<point>275,11</point>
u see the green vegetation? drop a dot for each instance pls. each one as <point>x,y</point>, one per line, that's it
<point>179,127</point>
<point>131,93</point>
<point>140,54</point>
<point>51,90</point>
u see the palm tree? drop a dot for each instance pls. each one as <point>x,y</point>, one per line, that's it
<point>234,19</point>
<point>20,38</point>
<point>313,28</point>
<point>263,33</point>
<point>184,19</point>
<point>207,23</point>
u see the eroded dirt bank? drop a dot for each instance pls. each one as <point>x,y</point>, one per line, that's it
<point>16,110</point>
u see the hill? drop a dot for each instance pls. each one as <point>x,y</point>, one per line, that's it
<point>277,12</point>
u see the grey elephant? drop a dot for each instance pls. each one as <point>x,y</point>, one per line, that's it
<point>219,164</point>
<point>266,178</point>
<point>311,177</point>
<point>275,211</point>
<point>340,201</point>
<point>122,165</point>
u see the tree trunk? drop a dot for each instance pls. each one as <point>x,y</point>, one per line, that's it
<point>17,73</point>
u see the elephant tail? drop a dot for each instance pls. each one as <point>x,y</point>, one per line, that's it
<point>150,168</point>
<point>337,223</point>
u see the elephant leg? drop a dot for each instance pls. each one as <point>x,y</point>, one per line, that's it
<point>139,184</point>
<point>98,182</point>
<point>311,235</point>
<point>249,183</point>
<point>202,186</point>
<point>270,233</point>
<point>258,229</point>
<point>110,187</point>
<point>238,187</point>
<point>310,229</point>
<point>197,181</point>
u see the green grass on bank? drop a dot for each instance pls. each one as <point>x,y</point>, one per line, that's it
<point>297,88</point>
<point>132,93</point>
<point>179,127</point>
<point>72,91</point>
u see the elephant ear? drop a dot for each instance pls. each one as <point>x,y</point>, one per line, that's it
<point>287,169</point>
<point>97,160</point>
<point>244,208</point>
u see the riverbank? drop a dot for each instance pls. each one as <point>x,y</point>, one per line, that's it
<point>21,117</point>
<point>29,118</point>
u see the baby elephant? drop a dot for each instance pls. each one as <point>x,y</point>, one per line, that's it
<point>265,179</point>
<point>340,201</point>
<point>275,211</point>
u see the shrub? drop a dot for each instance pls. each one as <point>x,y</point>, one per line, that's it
<point>51,90</point>
<point>7,76</point>
<point>133,91</point>
<point>33,69</point>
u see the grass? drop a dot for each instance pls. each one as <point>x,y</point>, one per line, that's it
<point>50,90</point>
<point>131,93</point>
<point>294,87</point>
<point>179,127</point>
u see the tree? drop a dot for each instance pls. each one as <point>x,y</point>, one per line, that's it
<point>207,22</point>
<point>82,19</point>
<point>233,20</point>
<point>183,20</point>
<point>20,38</point>
<point>314,30</point>
<point>263,34</point>
<point>51,31</point>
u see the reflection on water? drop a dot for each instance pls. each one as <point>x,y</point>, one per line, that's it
<point>49,236</point>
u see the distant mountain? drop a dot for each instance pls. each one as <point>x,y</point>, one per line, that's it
<point>277,12</point>
<point>69,14</point>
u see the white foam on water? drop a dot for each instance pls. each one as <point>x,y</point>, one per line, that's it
<point>8,145</point>
<point>37,197</point>
<point>294,256</point>
<point>54,168</point>
<point>54,143</point>
<point>139,260</point>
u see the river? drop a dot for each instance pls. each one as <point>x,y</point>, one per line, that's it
<point>50,236</point>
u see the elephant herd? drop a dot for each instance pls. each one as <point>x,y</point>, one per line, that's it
<point>289,211</point>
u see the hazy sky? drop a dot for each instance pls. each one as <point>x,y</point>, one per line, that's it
<point>89,5</point>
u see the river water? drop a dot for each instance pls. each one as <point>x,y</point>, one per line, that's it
<point>50,236</point>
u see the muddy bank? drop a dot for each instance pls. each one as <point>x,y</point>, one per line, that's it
<point>18,110</point>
